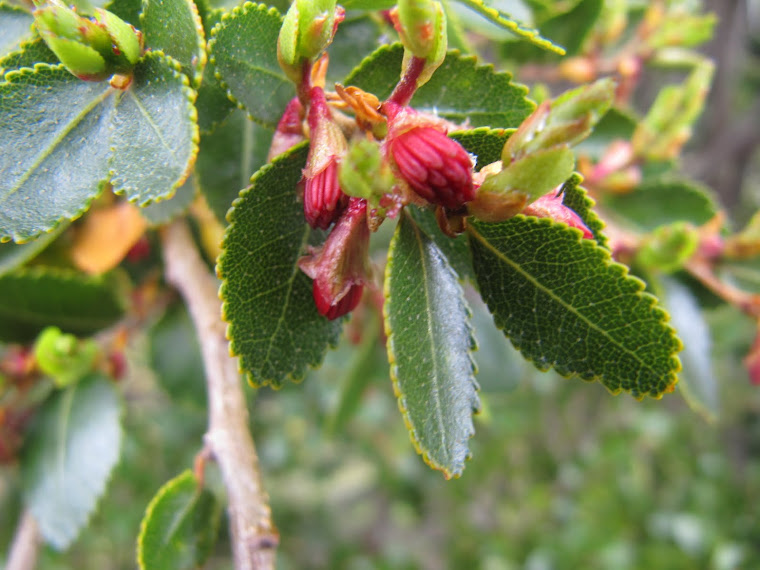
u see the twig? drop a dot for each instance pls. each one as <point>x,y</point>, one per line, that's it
<point>254,538</point>
<point>26,544</point>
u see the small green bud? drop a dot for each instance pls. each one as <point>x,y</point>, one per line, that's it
<point>421,25</point>
<point>669,247</point>
<point>307,29</point>
<point>63,357</point>
<point>364,174</point>
<point>92,50</point>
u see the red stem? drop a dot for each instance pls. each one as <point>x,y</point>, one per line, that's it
<point>405,88</point>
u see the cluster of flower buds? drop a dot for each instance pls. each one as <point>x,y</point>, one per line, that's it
<point>92,49</point>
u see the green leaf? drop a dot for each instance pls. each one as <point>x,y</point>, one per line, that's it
<point>145,136</point>
<point>460,90</point>
<point>52,172</point>
<point>575,197</point>
<point>16,24</point>
<point>506,21</point>
<point>456,250</point>
<point>356,37</point>
<point>68,457</point>
<point>484,143</point>
<point>164,212</point>
<point>180,527</point>
<point>179,372</point>
<point>155,134</point>
<point>663,201</point>
<point>212,103</point>
<point>698,383</point>
<point>33,299</point>
<point>565,304</point>
<point>368,4</point>
<point>274,325</point>
<point>13,256</point>
<point>174,27</point>
<point>429,347</point>
<point>127,10</point>
<point>29,53</point>
<point>228,157</point>
<point>243,49</point>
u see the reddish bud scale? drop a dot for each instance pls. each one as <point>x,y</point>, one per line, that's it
<point>345,305</point>
<point>550,206</point>
<point>323,199</point>
<point>436,167</point>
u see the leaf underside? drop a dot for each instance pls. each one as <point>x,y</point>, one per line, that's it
<point>69,456</point>
<point>274,325</point>
<point>429,347</point>
<point>565,304</point>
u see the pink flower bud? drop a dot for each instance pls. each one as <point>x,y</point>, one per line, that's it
<point>323,200</point>
<point>289,130</point>
<point>550,206</point>
<point>340,268</point>
<point>436,167</point>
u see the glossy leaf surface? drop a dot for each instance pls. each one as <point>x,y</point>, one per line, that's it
<point>429,347</point>
<point>460,90</point>
<point>566,305</point>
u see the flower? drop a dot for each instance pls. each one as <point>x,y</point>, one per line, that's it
<point>434,166</point>
<point>340,268</point>
<point>323,200</point>
<point>550,206</point>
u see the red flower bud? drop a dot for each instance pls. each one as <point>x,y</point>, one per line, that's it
<point>323,200</point>
<point>436,167</point>
<point>550,206</point>
<point>341,266</point>
<point>289,130</point>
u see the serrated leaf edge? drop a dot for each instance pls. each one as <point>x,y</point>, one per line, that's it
<point>16,237</point>
<point>575,180</point>
<point>190,94</point>
<point>296,376</point>
<point>241,10</point>
<point>624,272</point>
<point>393,367</point>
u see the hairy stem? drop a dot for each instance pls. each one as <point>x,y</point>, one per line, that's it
<point>26,544</point>
<point>254,538</point>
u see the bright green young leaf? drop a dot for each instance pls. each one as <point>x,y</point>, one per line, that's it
<point>429,347</point>
<point>174,27</point>
<point>154,132</point>
<point>52,172</point>
<point>506,21</point>
<point>228,157</point>
<point>574,196</point>
<point>663,201</point>
<point>243,49</point>
<point>16,26</point>
<point>274,325</point>
<point>180,526</point>
<point>68,457</point>
<point>698,383</point>
<point>212,103</point>
<point>29,53</point>
<point>163,212</point>
<point>483,142</point>
<point>14,255</point>
<point>33,299</point>
<point>565,304</point>
<point>368,4</point>
<point>460,90</point>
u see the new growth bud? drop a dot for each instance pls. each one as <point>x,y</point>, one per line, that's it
<point>434,166</point>
<point>340,268</point>
<point>323,199</point>
<point>91,49</point>
<point>307,29</point>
